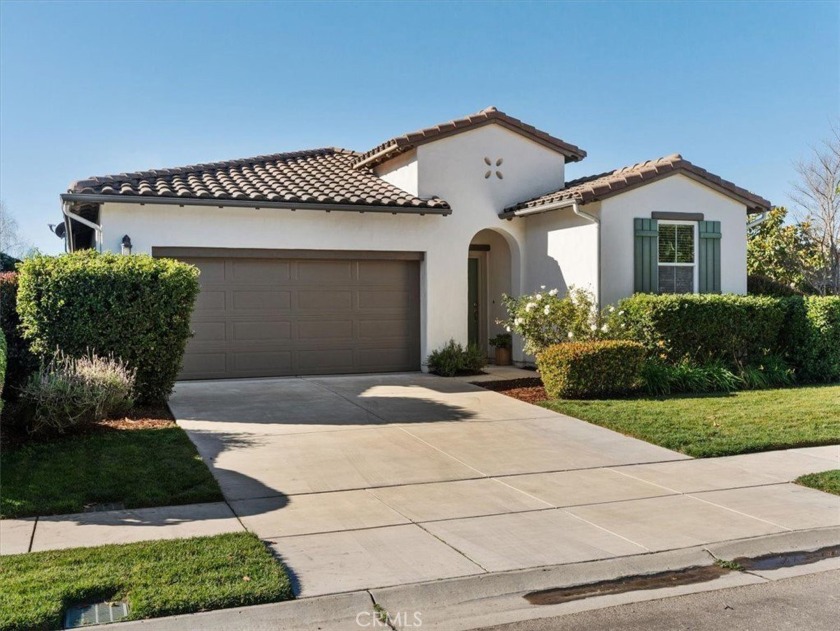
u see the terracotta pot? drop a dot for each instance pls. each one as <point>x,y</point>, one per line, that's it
<point>503,356</point>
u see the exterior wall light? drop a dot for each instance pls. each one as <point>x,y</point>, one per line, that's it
<point>126,245</point>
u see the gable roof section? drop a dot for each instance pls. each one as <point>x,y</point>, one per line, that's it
<point>401,144</point>
<point>597,187</point>
<point>314,178</point>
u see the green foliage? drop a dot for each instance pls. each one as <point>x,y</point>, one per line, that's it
<point>780,251</point>
<point>812,337</point>
<point>763,286</point>
<point>20,360</point>
<point>2,366</point>
<point>578,370</point>
<point>70,392</point>
<point>737,330</point>
<point>157,578</point>
<point>502,340</point>
<point>545,318</point>
<point>136,308</point>
<point>453,359</point>
<point>661,378</point>
<point>7,263</point>
<point>772,372</point>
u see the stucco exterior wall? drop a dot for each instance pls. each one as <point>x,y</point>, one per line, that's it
<point>402,172</point>
<point>561,251</point>
<point>673,194</point>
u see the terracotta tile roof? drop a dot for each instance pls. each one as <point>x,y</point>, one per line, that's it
<point>318,177</point>
<point>406,142</point>
<point>597,187</point>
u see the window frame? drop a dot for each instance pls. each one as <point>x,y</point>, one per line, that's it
<point>695,283</point>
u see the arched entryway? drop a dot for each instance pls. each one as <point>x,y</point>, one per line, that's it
<point>492,271</point>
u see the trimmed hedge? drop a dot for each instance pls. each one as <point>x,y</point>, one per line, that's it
<point>579,370</point>
<point>740,331</point>
<point>136,308</point>
<point>811,338</point>
<point>2,366</point>
<point>20,362</point>
<point>737,330</point>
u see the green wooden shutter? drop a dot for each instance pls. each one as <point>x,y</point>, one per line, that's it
<point>646,256</point>
<point>708,255</point>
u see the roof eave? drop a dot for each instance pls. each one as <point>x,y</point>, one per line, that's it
<point>89,198</point>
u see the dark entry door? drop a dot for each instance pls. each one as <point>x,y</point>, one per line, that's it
<point>473,301</point>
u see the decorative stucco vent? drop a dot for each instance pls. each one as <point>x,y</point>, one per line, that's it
<point>489,172</point>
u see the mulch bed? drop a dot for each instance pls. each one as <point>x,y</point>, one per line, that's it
<point>528,389</point>
<point>154,417</point>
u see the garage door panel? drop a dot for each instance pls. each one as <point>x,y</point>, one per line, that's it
<point>258,271</point>
<point>324,300</point>
<point>261,331</point>
<point>324,272</point>
<point>280,317</point>
<point>261,363</point>
<point>325,329</point>
<point>261,300</point>
<point>325,361</point>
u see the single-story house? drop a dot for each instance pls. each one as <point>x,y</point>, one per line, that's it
<point>334,261</point>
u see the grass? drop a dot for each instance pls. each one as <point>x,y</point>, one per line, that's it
<point>133,468</point>
<point>158,578</point>
<point>720,425</point>
<point>828,481</point>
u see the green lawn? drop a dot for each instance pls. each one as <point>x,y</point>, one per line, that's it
<point>158,578</point>
<point>720,425</point>
<point>134,468</point>
<point>828,481</point>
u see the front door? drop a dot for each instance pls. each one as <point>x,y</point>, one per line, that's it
<point>473,317</point>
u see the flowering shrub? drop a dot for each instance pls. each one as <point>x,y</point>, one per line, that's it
<point>545,318</point>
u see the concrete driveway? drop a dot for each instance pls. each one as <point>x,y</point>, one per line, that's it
<point>379,480</point>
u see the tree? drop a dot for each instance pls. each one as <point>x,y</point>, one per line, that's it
<point>11,243</point>
<point>781,251</point>
<point>816,195</point>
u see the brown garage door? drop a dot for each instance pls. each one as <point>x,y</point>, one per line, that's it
<point>267,317</point>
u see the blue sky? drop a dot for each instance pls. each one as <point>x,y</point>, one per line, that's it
<point>741,89</point>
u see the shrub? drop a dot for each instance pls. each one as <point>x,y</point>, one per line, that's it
<point>2,366</point>
<point>20,361</point>
<point>661,378</point>
<point>453,359</point>
<point>68,392</point>
<point>577,370</point>
<point>545,318</point>
<point>737,330</point>
<point>758,285</point>
<point>811,337</point>
<point>136,308</point>
<point>772,372</point>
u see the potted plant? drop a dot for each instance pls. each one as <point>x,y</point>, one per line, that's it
<point>502,343</point>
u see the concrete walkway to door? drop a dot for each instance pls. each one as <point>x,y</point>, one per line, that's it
<point>378,480</point>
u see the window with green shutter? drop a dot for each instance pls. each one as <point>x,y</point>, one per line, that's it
<point>676,258</point>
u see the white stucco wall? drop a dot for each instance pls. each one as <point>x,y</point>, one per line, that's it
<point>452,169</point>
<point>677,193</point>
<point>401,172</point>
<point>561,251</point>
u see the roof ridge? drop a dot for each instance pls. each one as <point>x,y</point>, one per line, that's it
<point>405,142</point>
<point>204,166</point>
<point>595,187</point>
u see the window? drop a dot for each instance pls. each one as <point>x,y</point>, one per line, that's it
<point>676,258</point>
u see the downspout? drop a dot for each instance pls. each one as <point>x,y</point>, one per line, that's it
<point>575,206</point>
<point>70,217</point>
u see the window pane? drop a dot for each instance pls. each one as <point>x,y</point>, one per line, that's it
<point>676,279</point>
<point>685,244</point>
<point>684,280</point>
<point>667,243</point>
